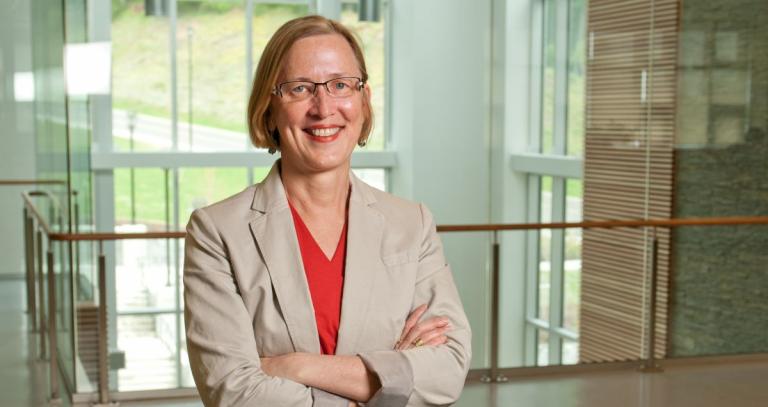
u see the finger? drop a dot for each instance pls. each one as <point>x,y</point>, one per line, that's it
<point>421,328</point>
<point>429,335</point>
<point>413,318</point>
<point>439,340</point>
<point>434,340</point>
<point>405,342</point>
<point>427,338</point>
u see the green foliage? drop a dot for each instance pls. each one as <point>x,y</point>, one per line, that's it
<point>198,187</point>
<point>120,6</point>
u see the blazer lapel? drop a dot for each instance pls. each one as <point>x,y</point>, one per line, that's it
<point>275,237</point>
<point>364,234</point>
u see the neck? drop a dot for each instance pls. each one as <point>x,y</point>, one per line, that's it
<point>316,192</point>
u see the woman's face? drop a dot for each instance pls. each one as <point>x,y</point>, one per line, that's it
<point>319,133</point>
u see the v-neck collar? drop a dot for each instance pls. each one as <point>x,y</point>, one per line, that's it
<point>299,223</point>
<point>274,234</point>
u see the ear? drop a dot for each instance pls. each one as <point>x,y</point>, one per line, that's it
<point>367,93</point>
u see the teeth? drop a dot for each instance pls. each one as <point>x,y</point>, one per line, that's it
<point>324,132</point>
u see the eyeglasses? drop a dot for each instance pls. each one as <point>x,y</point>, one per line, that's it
<point>294,91</point>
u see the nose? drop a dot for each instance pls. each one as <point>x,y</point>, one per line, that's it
<point>322,103</point>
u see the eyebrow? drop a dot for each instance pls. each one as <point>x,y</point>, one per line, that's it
<point>332,76</point>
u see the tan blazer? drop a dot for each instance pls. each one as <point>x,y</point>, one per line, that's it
<point>246,295</point>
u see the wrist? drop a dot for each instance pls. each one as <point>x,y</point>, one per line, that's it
<point>297,367</point>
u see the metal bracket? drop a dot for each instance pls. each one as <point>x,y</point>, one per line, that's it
<point>500,378</point>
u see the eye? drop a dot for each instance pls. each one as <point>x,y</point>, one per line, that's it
<point>299,89</point>
<point>340,85</point>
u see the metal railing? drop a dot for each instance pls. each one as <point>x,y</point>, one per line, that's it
<point>36,228</point>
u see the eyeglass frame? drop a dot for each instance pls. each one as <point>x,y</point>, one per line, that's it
<point>360,84</point>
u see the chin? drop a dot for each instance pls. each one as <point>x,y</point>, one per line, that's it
<point>323,162</point>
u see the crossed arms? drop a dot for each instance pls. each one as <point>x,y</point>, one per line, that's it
<point>229,371</point>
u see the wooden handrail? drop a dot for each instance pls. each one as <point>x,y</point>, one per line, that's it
<point>600,224</point>
<point>26,196</point>
<point>619,223</point>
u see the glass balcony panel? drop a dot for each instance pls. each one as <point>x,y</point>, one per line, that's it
<point>149,343</point>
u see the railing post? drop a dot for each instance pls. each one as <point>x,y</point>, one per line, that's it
<point>649,364</point>
<point>29,259</point>
<point>103,356</point>
<point>54,361</point>
<point>41,290</point>
<point>495,376</point>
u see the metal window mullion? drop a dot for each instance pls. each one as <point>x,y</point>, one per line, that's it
<point>565,334</point>
<point>100,27</point>
<point>560,126</point>
<point>172,16</point>
<point>532,270</point>
<point>557,256</point>
<point>176,274</point>
<point>534,184</point>
<point>147,312</point>
<point>536,84</point>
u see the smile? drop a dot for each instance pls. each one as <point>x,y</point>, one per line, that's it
<point>324,132</point>
<point>324,135</point>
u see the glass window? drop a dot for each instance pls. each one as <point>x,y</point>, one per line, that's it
<point>572,266</point>
<point>542,349</point>
<point>570,352</point>
<point>141,72</point>
<point>372,37</point>
<point>199,187</point>
<point>211,96</point>
<point>548,77</point>
<point>545,238</point>
<point>141,198</point>
<point>577,19</point>
<point>375,177</point>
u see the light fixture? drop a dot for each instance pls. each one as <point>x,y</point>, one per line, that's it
<point>88,68</point>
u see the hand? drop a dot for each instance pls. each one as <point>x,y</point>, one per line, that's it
<point>430,332</point>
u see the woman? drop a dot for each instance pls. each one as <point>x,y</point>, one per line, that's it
<point>313,288</point>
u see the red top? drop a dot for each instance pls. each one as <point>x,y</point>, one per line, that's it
<point>326,280</point>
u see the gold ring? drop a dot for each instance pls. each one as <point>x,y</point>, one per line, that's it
<point>417,342</point>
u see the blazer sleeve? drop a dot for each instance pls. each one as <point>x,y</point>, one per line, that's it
<point>427,375</point>
<point>220,339</point>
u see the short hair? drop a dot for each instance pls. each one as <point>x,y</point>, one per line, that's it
<point>271,63</point>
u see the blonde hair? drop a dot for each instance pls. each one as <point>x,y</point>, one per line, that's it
<point>271,63</point>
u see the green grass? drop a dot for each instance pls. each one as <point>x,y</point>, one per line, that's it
<point>219,92</point>
<point>197,187</point>
<point>574,187</point>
